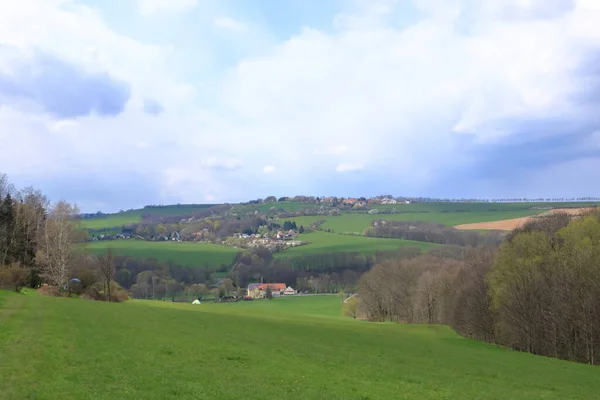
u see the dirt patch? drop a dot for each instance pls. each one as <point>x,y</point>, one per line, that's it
<point>514,223</point>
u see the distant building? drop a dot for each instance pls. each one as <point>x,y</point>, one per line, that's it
<point>257,290</point>
<point>289,291</point>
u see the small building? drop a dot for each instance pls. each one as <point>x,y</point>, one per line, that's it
<point>289,291</point>
<point>257,290</point>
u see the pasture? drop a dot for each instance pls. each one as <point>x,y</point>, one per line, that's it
<point>112,220</point>
<point>119,220</point>
<point>357,223</point>
<point>204,255</point>
<point>292,348</point>
<point>321,242</point>
<point>479,207</point>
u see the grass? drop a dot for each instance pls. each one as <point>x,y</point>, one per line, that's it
<point>357,223</point>
<point>135,216</point>
<point>292,348</point>
<point>112,220</point>
<point>289,206</point>
<point>321,242</point>
<point>478,207</point>
<point>182,253</point>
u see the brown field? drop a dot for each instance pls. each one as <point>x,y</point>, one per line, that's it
<point>510,224</point>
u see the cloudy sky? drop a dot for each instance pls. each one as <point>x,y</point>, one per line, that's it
<point>120,103</point>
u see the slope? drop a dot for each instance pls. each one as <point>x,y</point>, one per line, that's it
<point>57,348</point>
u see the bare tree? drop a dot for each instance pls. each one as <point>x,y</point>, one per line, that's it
<point>269,292</point>
<point>108,270</point>
<point>57,242</point>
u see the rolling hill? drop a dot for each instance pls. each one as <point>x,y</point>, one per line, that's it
<point>292,348</point>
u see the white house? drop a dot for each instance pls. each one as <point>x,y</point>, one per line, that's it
<point>289,291</point>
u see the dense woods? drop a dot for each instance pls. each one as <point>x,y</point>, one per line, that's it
<point>537,292</point>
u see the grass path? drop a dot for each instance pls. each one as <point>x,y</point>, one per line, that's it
<point>298,348</point>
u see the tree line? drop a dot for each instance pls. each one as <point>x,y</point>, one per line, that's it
<point>432,233</point>
<point>39,245</point>
<point>538,292</point>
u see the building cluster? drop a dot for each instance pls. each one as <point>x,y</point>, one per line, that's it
<point>259,290</point>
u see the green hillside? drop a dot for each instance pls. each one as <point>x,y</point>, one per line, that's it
<point>357,223</point>
<point>321,242</point>
<point>293,348</point>
<point>182,253</point>
<point>480,207</point>
<point>135,216</point>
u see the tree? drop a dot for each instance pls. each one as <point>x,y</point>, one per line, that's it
<point>341,295</point>
<point>57,243</point>
<point>13,276</point>
<point>7,225</point>
<point>106,263</point>
<point>269,292</point>
<point>350,307</point>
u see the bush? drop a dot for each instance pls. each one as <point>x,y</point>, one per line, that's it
<point>96,292</point>
<point>13,277</point>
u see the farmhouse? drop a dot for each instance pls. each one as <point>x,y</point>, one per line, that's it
<point>257,290</point>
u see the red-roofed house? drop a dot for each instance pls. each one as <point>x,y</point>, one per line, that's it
<point>257,290</point>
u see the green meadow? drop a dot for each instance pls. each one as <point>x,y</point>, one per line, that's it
<point>135,216</point>
<point>357,223</point>
<point>182,253</point>
<point>290,348</point>
<point>323,243</point>
<point>112,220</point>
<point>480,207</point>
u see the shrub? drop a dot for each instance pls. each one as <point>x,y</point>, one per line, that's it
<point>13,277</point>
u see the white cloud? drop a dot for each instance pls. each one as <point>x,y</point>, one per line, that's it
<point>154,6</point>
<point>229,23</point>
<point>398,100</point>
<point>222,163</point>
<point>347,167</point>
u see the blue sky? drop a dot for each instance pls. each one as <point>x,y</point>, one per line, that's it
<point>115,104</point>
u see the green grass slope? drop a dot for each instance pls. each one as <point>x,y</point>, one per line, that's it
<point>296,348</point>
<point>480,207</point>
<point>321,242</point>
<point>134,216</point>
<point>357,223</point>
<point>112,220</point>
<point>182,253</point>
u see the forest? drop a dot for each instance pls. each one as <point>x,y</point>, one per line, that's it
<point>538,292</point>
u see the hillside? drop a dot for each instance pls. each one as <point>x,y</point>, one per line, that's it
<point>186,254</point>
<point>294,348</point>
<point>326,240</point>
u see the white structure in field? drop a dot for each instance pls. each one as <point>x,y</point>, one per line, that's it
<point>289,291</point>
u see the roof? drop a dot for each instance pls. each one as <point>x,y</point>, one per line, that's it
<point>263,286</point>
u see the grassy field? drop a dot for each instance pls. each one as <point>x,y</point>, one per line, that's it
<point>292,348</point>
<point>135,216</point>
<point>479,207</point>
<point>190,254</point>
<point>112,220</point>
<point>321,242</point>
<point>290,206</point>
<point>357,223</point>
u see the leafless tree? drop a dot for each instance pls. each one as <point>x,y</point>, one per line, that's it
<point>106,264</point>
<point>57,241</point>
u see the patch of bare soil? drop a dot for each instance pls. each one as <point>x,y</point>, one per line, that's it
<point>514,223</point>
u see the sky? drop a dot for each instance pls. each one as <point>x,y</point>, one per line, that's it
<point>115,104</point>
